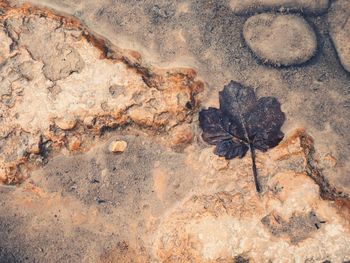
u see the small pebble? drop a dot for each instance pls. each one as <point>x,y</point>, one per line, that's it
<point>117,146</point>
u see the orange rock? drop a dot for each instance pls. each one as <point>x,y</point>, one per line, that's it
<point>148,97</point>
<point>118,146</point>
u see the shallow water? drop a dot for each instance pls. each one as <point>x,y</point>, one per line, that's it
<point>205,36</point>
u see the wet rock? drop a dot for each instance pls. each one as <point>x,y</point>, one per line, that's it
<point>134,207</point>
<point>305,6</point>
<point>282,40</point>
<point>63,77</point>
<point>288,221</point>
<point>339,21</point>
<point>117,146</point>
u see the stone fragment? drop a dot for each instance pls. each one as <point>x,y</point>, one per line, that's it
<point>253,6</point>
<point>117,146</point>
<point>339,22</point>
<point>282,40</point>
<point>66,123</point>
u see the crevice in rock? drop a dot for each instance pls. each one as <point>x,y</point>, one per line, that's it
<point>327,191</point>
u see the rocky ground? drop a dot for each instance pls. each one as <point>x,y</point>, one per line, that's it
<point>101,153</point>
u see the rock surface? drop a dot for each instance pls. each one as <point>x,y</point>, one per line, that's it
<point>140,207</point>
<point>167,198</point>
<point>305,6</point>
<point>280,39</point>
<point>56,78</point>
<point>207,36</point>
<point>339,21</point>
<point>288,223</point>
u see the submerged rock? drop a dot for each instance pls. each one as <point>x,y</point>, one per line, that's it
<point>288,222</point>
<point>305,6</point>
<point>153,203</point>
<point>62,84</point>
<point>282,40</point>
<point>339,21</point>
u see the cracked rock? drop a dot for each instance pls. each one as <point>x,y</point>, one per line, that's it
<point>62,78</point>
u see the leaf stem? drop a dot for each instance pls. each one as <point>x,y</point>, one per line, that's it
<point>255,171</point>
